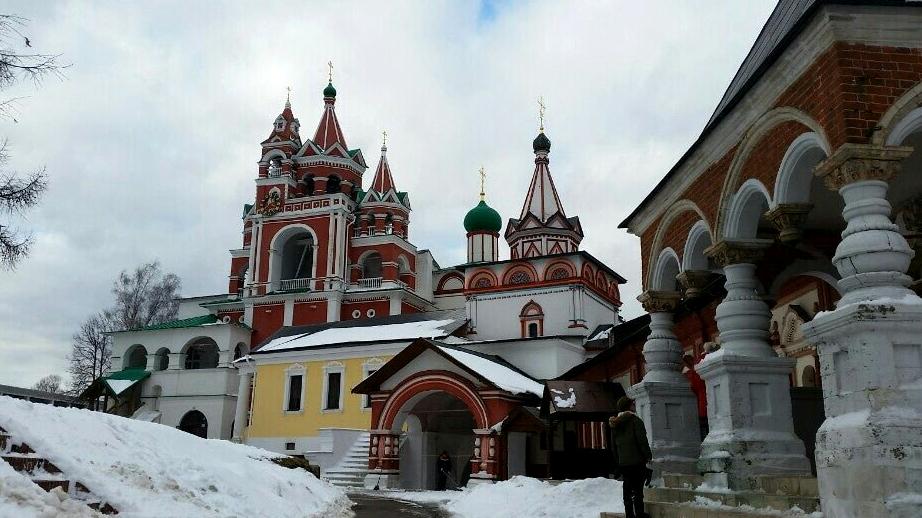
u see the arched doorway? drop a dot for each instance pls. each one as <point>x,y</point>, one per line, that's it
<point>431,423</point>
<point>194,422</point>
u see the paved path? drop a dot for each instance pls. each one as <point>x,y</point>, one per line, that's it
<point>367,506</point>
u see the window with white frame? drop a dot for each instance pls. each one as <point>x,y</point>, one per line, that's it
<point>368,368</point>
<point>294,388</point>
<point>333,382</point>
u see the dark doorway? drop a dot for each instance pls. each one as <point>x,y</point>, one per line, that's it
<point>194,422</point>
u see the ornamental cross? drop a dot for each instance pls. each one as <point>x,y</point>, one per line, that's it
<point>330,64</point>
<point>384,137</point>
<point>288,96</point>
<point>541,112</point>
<point>483,179</point>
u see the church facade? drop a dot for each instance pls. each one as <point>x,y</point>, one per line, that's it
<point>327,295</point>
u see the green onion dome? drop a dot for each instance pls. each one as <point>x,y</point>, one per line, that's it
<point>483,218</point>
<point>329,91</point>
<point>541,143</point>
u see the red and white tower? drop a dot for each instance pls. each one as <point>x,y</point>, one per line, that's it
<point>543,228</point>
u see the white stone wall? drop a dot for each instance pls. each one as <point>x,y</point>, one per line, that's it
<point>541,358</point>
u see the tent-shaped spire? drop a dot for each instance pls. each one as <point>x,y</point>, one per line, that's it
<point>286,126</point>
<point>328,131</point>
<point>383,181</point>
<point>542,200</point>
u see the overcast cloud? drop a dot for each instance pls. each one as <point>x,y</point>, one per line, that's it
<point>151,142</point>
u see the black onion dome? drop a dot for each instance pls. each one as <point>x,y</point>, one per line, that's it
<point>541,143</point>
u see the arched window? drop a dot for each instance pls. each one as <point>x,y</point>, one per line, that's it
<point>194,422</point>
<point>240,351</point>
<point>309,185</point>
<point>136,357</point>
<point>389,223</point>
<point>162,359</point>
<point>371,266</point>
<point>298,257</point>
<point>202,354</point>
<point>275,168</point>
<point>532,319</point>
<point>333,184</point>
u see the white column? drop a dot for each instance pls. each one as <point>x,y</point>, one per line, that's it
<point>243,402</point>
<point>748,388</point>
<point>869,449</point>
<point>664,397</point>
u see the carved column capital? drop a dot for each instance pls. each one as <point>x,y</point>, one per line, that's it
<point>659,301</point>
<point>789,219</point>
<point>858,162</point>
<point>748,251</point>
<point>694,281</point>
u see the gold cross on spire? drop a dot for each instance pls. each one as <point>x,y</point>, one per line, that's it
<point>330,64</point>
<point>483,179</point>
<point>288,96</point>
<point>384,138</point>
<point>541,112</point>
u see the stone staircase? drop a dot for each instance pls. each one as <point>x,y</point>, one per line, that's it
<point>773,496</point>
<point>22,458</point>
<point>351,471</point>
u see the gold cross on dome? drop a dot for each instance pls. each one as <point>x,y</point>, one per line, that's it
<point>483,179</point>
<point>384,137</point>
<point>330,64</point>
<point>541,112</point>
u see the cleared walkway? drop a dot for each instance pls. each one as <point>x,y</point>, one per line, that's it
<point>368,506</point>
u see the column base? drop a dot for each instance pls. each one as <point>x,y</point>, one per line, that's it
<point>751,427</point>
<point>382,480</point>
<point>670,412</point>
<point>869,449</point>
<point>479,481</point>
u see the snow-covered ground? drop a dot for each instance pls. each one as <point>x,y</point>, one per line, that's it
<point>146,469</point>
<point>521,497</point>
<point>20,498</point>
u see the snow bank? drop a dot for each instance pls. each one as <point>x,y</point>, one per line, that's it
<point>521,497</point>
<point>20,498</point>
<point>146,469</point>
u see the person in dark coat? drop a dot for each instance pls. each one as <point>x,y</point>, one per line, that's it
<point>632,453</point>
<point>443,469</point>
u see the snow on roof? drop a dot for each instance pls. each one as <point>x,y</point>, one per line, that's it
<point>497,373</point>
<point>378,333</point>
<point>119,386</point>
<point>564,402</point>
<point>150,470</point>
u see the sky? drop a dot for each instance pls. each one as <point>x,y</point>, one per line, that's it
<point>151,138</point>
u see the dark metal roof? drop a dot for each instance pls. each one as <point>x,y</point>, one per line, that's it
<point>784,24</point>
<point>592,399</point>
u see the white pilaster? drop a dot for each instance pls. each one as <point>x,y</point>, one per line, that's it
<point>664,397</point>
<point>869,449</point>
<point>243,403</point>
<point>748,388</point>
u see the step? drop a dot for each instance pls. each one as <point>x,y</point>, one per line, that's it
<point>49,484</point>
<point>21,448</point>
<point>670,510</point>
<point>753,499</point>
<point>4,441</point>
<point>30,463</point>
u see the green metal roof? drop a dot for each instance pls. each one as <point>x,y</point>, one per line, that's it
<point>246,209</point>
<point>129,374</point>
<point>186,322</point>
<point>483,217</point>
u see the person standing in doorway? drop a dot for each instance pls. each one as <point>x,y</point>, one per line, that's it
<point>443,470</point>
<point>632,453</point>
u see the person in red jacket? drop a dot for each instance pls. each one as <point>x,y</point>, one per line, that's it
<point>698,387</point>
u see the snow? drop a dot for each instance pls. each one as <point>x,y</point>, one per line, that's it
<point>498,374</point>
<point>605,333</point>
<point>342,335</point>
<point>119,386</point>
<point>521,497</point>
<point>20,498</point>
<point>146,469</point>
<point>560,402</point>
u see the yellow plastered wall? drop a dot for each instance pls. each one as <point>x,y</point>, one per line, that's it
<point>270,420</point>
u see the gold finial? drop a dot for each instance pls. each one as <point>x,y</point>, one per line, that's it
<point>483,180</point>
<point>384,138</point>
<point>288,96</point>
<point>541,113</point>
<point>330,64</point>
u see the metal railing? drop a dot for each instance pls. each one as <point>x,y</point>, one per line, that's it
<point>296,284</point>
<point>372,282</point>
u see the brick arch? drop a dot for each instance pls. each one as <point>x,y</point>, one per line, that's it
<point>484,274</point>
<point>567,265</point>
<point>588,273</point>
<point>519,267</point>
<point>682,212</point>
<point>434,381</point>
<point>755,156</point>
<point>896,115</point>
<point>448,277</point>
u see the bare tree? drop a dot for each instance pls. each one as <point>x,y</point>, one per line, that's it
<point>144,297</point>
<point>90,352</point>
<point>18,192</point>
<point>51,383</point>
